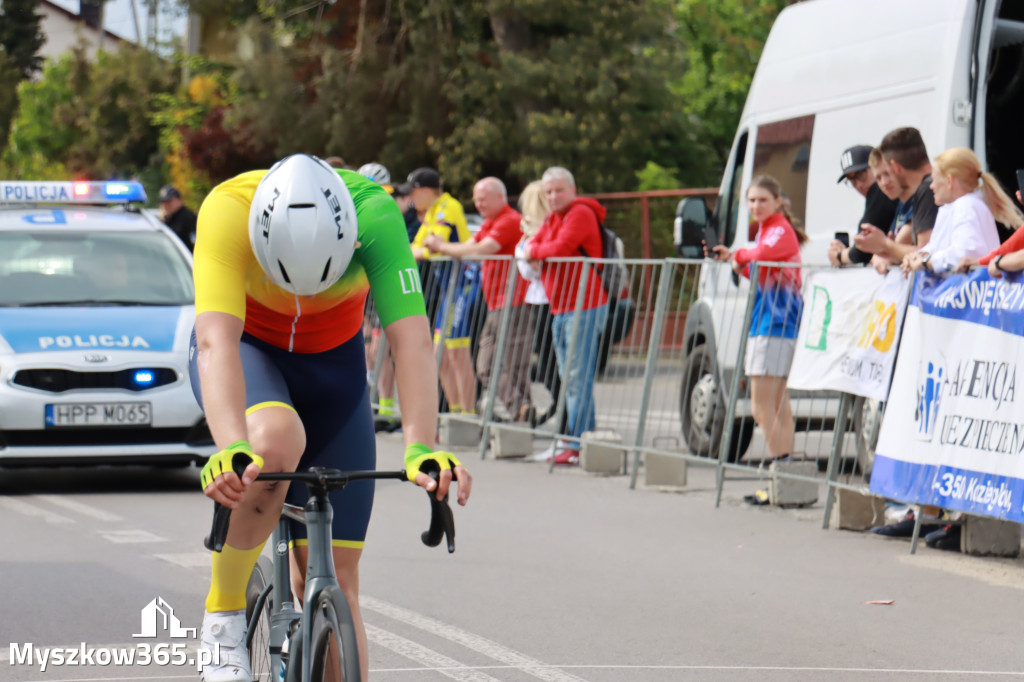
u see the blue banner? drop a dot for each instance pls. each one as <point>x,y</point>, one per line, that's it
<point>953,431</point>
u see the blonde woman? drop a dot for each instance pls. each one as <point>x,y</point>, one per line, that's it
<point>970,202</point>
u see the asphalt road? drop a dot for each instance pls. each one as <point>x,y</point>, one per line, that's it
<point>559,577</point>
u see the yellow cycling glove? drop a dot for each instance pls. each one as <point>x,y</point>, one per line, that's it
<point>421,459</point>
<point>223,461</point>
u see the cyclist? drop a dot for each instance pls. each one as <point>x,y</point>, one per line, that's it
<point>283,262</point>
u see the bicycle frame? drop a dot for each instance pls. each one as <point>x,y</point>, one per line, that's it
<point>317,516</point>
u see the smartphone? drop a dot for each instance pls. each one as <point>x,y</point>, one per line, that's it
<point>844,237</point>
<point>1020,180</point>
<point>711,237</point>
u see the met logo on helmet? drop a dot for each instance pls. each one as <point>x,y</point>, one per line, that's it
<point>335,204</point>
<point>264,218</point>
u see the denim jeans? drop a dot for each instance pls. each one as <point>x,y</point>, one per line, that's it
<point>578,371</point>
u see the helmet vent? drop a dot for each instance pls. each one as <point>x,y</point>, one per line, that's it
<point>323,277</point>
<point>301,205</point>
<point>284,273</point>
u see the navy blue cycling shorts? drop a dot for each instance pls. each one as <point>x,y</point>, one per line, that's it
<point>457,322</point>
<point>328,391</point>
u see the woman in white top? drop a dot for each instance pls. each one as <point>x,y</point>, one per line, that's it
<point>970,202</point>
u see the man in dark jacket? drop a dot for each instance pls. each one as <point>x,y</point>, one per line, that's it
<point>177,216</point>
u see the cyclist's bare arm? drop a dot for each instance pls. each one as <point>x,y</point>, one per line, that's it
<point>218,336</point>
<point>413,351</point>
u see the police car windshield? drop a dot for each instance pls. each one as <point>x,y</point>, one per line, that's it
<point>48,268</point>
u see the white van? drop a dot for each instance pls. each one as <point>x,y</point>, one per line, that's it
<point>833,74</point>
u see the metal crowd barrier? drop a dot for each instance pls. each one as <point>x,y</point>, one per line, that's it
<point>664,385</point>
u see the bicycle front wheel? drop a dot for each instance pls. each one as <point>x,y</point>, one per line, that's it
<point>259,648</point>
<point>333,639</point>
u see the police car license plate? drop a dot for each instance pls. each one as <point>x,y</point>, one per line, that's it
<point>99,414</point>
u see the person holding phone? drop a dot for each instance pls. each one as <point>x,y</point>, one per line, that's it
<point>778,306</point>
<point>879,208</point>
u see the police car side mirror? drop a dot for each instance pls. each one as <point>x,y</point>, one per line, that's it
<point>691,228</point>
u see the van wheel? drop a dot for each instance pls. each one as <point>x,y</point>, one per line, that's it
<point>867,423</point>
<point>702,409</point>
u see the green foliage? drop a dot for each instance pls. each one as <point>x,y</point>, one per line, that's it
<point>20,36</point>
<point>723,43</point>
<point>654,177</point>
<point>93,116</point>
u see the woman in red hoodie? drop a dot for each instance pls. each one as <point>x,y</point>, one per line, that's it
<point>572,230</point>
<point>777,309</point>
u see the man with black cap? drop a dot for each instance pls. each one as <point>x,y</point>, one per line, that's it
<point>177,216</point>
<point>445,219</point>
<point>878,208</point>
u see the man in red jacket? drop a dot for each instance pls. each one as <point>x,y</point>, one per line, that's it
<point>572,230</point>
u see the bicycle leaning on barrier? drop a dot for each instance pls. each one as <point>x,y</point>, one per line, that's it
<point>317,640</point>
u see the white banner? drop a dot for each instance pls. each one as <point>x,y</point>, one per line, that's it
<point>953,431</point>
<point>848,334</point>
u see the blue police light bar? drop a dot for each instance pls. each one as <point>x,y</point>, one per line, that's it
<point>84,192</point>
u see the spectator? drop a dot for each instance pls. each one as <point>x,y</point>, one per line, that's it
<point>498,235</point>
<point>904,152</point>
<point>572,230</point>
<point>777,310</point>
<point>879,208</point>
<point>412,220</point>
<point>443,217</point>
<point>971,201</point>
<point>371,323</point>
<point>177,216</point>
<point>1007,258</point>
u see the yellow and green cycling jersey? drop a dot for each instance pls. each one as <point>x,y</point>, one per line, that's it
<point>229,279</point>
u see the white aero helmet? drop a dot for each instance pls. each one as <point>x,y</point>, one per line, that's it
<point>302,225</point>
<point>375,172</point>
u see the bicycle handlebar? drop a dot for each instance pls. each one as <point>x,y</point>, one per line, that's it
<point>442,522</point>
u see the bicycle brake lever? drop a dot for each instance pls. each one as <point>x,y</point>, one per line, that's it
<point>221,514</point>
<point>442,521</point>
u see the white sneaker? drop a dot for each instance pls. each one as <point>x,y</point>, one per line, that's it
<point>546,454</point>
<point>225,632</point>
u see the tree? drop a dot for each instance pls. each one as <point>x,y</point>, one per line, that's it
<point>20,35</point>
<point>723,44</point>
<point>95,117</point>
<point>20,40</point>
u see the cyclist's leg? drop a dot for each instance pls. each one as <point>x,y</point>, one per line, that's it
<point>276,433</point>
<point>339,433</point>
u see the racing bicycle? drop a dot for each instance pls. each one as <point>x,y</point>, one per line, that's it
<point>315,641</point>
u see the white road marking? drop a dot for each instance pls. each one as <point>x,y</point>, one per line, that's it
<point>479,644</point>
<point>122,537</point>
<point>433,660</point>
<point>740,668</point>
<point>187,560</point>
<point>16,505</point>
<point>79,508</point>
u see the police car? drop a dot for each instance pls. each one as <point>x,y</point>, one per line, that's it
<point>96,312</point>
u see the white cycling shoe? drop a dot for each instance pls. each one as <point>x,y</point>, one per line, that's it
<point>226,629</point>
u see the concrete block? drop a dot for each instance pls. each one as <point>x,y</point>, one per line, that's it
<point>506,442</point>
<point>664,470</point>
<point>601,452</point>
<point>858,511</point>
<point>785,492</point>
<point>455,432</point>
<point>983,536</point>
